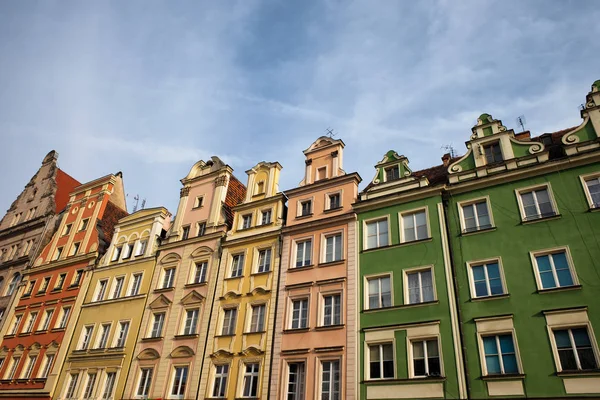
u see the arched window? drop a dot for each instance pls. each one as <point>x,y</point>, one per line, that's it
<point>13,284</point>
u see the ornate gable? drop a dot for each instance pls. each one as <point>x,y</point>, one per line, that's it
<point>192,298</point>
<point>160,302</point>
<point>586,136</point>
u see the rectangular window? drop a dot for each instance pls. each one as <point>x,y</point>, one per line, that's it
<point>191,320</point>
<point>86,336</point>
<point>67,229</point>
<point>246,221</point>
<point>185,232</point>
<point>426,358</point>
<point>66,311</point>
<point>58,253</point>
<point>300,314</point>
<point>265,217</point>
<point>536,204</point>
<point>60,281</point>
<point>16,323</point>
<point>251,380</point>
<point>220,381</point>
<point>554,270</point>
<point>296,381</point>
<point>13,367</point>
<point>44,285</point>
<point>575,350</point>
<point>334,201</point>
<point>29,289</point>
<point>127,250</point>
<point>392,173</point>
<point>143,389</point>
<point>330,380</point>
<point>135,285</point>
<point>78,276</point>
<point>303,253</point>
<point>101,291</point>
<point>377,234</point>
<point>70,392</point>
<point>157,325</point>
<point>118,287</point>
<point>168,278</point>
<point>332,310</point>
<point>30,322</point>
<point>84,224</point>
<point>104,332</point>
<point>476,216</point>
<point>109,385</point>
<point>200,273</point>
<point>381,361</point>
<point>199,201</point>
<point>305,208</point>
<point>264,260</point>
<point>30,364</point>
<point>75,248</point>
<point>414,226</point>
<point>257,322</point>
<point>201,228</point>
<point>180,376</point>
<point>47,318</point>
<point>500,355</point>
<point>333,248</point>
<point>592,186</point>
<point>493,153</point>
<point>122,337</point>
<point>89,387</point>
<point>237,265</point>
<point>379,292</point>
<point>141,248</point>
<point>47,366</point>
<point>229,321</point>
<point>420,286</point>
<point>487,280</point>
<point>117,253</point>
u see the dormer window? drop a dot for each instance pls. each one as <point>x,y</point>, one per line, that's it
<point>392,173</point>
<point>306,208</point>
<point>260,187</point>
<point>246,221</point>
<point>321,173</point>
<point>199,202</point>
<point>493,153</point>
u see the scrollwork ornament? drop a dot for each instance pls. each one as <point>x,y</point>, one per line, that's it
<point>536,148</point>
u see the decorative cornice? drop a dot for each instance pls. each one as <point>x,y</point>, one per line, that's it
<point>184,191</point>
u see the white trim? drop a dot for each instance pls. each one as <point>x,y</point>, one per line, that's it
<point>290,310</point>
<point>410,355</point>
<point>321,307</point>
<point>367,357</point>
<point>303,200</point>
<point>366,279</point>
<point>405,272</point>
<point>584,178</point>
<point>365,232</point>
<point>494,327</point>
<point>413,211</point>
<point>528,189</point>
<point>469,202</point>
<point>328,195</point>
<point>553,250</point>
<point>477,263</point>
<point>172,380</point>
<point>324,237</point>
<point>294,255</point>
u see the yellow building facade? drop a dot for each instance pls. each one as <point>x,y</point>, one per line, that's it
<point>104,339</point>
<point>237,363</point>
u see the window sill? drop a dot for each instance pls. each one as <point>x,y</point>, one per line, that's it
<point>192,285</point>
<point>260,273</point>
<point>255,332</point>
<point>38,294</point>
<point>332,210</point>
<point>116,349</point>
<point>329,327</point>
<point>98,350</point>
<point>226,335</point>
<point>296,330</point>
<point>163,290</point>
<point>24,334</point>
<point>302,268</point>
<point>233,277</point>
<point>304,216</point>
<point>404,380</point>
<point>331,263</point>
<point>190,336</point>
<point>540,219</point>
<point>73,287</point>
<point>56,290</point>
<point>152,339</point>
<point>425,303</point>
<point>502,377</point>
<point>492,297</point>
<point>58,330</point>
<point>12,335</point>
<point>25,296</point>
<point>402,244</point>
<point>588,372</point>
<point>594,209</point>
<point>476,231</point>
<point>40,332</point>
<point>428,239</point>
<point>559,289</point>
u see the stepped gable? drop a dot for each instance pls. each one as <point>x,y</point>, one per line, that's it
<point>236,192</point>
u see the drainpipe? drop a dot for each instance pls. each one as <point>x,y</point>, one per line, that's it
<point>445,199</point>
<point>280,239</point>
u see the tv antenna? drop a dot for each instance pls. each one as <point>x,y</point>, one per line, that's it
<point>143,203</point>
<point>329,132</point>
<point>137,199</point>
<point>449,149</point>
<point>521,121</point>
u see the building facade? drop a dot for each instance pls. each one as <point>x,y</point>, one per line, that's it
<point>315,346</point>
<point>99,356</point>
<point>29,223</point>
<point>169,354</point>
<point>409,333</point>
<point>238,356</point>
<point>41,324</point>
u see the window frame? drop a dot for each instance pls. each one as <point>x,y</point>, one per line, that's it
<point>401,214</point>
<point>232,326</point>
<point>246,221</point>
<point>367,358</point>
<point>84,339</point>
<point>405,291</point>
<point>44,371</point>
<point>553,250</point>
<point>266,212</point>
<point>100,291</point>
<point>185,232</point>
<point>388,168</point>
<point>575,325</point>
<point>366,280</point>
<point>203,264</point>
<point>222,376</point>
<point>266,267</point>
<point>146,382</point>
<point>322,296</point>
<point>486,261</point>
<point>244,374</point>
<point>132,283</point>
<point>163,274</point>
<point>329,195</point>
<point>152,325</point>
<point>300,207</point>
<point>238,268</point>
<point>498,332</point>
<point>411,358</point>
<point>108,383</point>
<point>261,322</point>
<point>319,386</point>
<point>528,189</point>
<point>588,196</point>
<point>117,341</point>
<point>198,202</point>
<point>184,322</point>
<point>118,282</point>
<point>461,204</point>
<point>365,224</point>
<point>489,144</point>
<point>294,259</point>
<point>300,392</point>
<point>292,300</point>
<point>324,238</point>
<point>101,337</point>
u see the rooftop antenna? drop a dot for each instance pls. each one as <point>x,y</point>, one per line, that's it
<point>581,107</point>
<point>143,203</point>
<point>449,149</point>
<point>521,121</point>
<point>137,199</point>
<point>329,132</point>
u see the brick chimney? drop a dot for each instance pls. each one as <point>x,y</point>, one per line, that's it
<point>446,159</point>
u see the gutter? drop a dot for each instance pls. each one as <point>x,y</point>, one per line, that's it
<point>275,317</point>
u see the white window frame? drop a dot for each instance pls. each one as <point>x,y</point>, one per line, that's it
<point>46,367</point>
<point>109,384</point>
<point>319,386</point>
<point>478,263</point>
<point>184,321</point>
<point>573,325</point>
<point>488,144</point>
<point>387,168</point>
<point>412,212</point>
<point>163,275</point>
<point>48,314</point>
<point>75,248</point>
<point>31,318</point>
<point>220,376</point>
<point>246,217</point>
<point>328,199</point>
<point>200,228</point>
<point>64,315</point>
<point>298,241</point>
<point>102,337</point>
<point>538,280</point>
<point>132,284</point>
<point>322,296</point>
<point>199,202</point>
<point>117,336</point>
<point>117,252</point>
<point>324,237</point>
<point>244,374</point>
<point>71,385</point>
<point>141,247</point>
<point>365,232</point>
<point>405,291</point>
<point>241,259</point>
<point>261,322</point>
<point>84,339</point>
<point>266,211</point>
<point>481,335</point>
<point>411,360</point>
<point>367,358</point>
<point>147,382</point>
<point>100,291</point>
<point>366,279</point>
<point>115,285</point>
<point>298,394</point>
<point>28,368</point>
<point>528,189</point>
<point>152,325</point>
<point>231,325</point>
<point>204,265</point>
<point>293,299</point>
<point>299,207</point>
<point>170,388</point>
<point>15,324</point>
<point>88,390</point>
<point>83,225</point>
<point>586,190</point>
<point>472,202</point>
<point>267,267</point>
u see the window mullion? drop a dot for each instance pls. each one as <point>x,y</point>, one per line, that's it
<point>553,268</point>
<point>380,293</point>
<point>475,214</point>
<point>414,218</point>
<point>381,361</point>
<point>426,360</point>
<point>536,202</point>
<point>420,287</point>
<point>487,280</point>
<point>499,354</point>
<point>574,349</point>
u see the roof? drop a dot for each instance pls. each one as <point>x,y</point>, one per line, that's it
<point>236,193</point>
<point>65,184</point>
<point>110,218</point>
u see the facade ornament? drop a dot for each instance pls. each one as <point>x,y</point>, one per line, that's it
<point>101,196</point>
<point>308,162</point>
<point>221,181</point>
<point>334,153</point>
<point>184,191</point>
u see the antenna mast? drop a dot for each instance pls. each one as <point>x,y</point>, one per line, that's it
<point>521,121</point>
<point>449,149</point>
<point>137,199</point>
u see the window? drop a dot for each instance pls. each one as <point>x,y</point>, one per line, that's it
<point>75,248</point>
<point>143,389</point>
<point>332,307</point>
<point>47,319</point>
<point>379,292</point>
<point>246,221</point>
<point>191,320</point>
<point>103,339</point>
<point>575,350</point>
<point>28,247</point>
<point>296,381</point>
<point>265,217</point>
<point>16,323</point>
<point>264,260</point>
<point>65,317</point>
<point>300,314</point>
<point>135,285</point>
<point>47,366</point>
<point>70,392</point>
<point>303,253</point>
<point>592,190</point>
<point>122,337</point>
<point>109,385</point>
<point>330,380</point>
<point>251,380</point>
<point>141,248</point>
<point>333,248</point>
<point>67,229</point>
<point>377,234</point>
<point>229,321</point>
<point>201,228</point>
<point>30,322</point>
<point>117,253</point>
<point>118,287</point>
<point>84,224</point>
<point>157,325</point>
<point>29,288</point>
<point>321,173</point>
<point>419,286</point>
<point>334,201</point>
<point>486,280</point>
<point>220,381</point>
<point>89,387</point>
<point>30,364</point>
<point>257,322</point>
<point>185,232</point>
<point>305,208</point>
<point>536,204</point>
<point>78,276</point>
<point>44,285</point>
<point>500,355</point>
<point>381,361</point>
<point>198,202</point>
<point>392,173</point>
<point>14,282</point>
<point>426,358</point>
<point>127,249</point>
<point>237,265</point>
<point>86,336</point>
<point>200,273</point>
<point>60,281</point>
<point>260,187</point>
<point>179,381</point>
<point>493,153</point>
<point>553,270</point>
<point>168,278</point>
<point>475,216</point>
<point>414,226</point>
<point>101,291</point>
<point>13,367</point>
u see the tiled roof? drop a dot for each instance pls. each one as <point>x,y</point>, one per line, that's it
<point>236,192</point>
<point>106,226</point>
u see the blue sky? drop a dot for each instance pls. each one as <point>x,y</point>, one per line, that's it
<point>150,87</point>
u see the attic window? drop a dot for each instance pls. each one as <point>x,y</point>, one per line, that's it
<point>321,173</point>
<point>199,201</point>
<point>493,153</point>
<point>392,173</point>
<point>260,187</point>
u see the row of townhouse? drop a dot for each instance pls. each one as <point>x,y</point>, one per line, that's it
<point>473,279</point>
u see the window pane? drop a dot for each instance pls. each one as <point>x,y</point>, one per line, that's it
<point>562,339</point>
<point>489,345</point>
<point>493,364</point>
<point>427,282</point>
<point>388,352</point>
<point>374,353</point>
<point>432,348</point>
<point>567,359</point>
<point>419,366</point>
<point>510,364</point>
<point>581,337</point>
<point>506,344</point>
<point>374,370</point>
<point>388,369</point>
<point>562,269</point>
<point>586,358</point>
<point>478,273</point>
<point>481,289</point>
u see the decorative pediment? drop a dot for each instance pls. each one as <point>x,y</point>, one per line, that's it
<point>35,346</point>
<point>171,258</point>
<point>252,351</point>
<point>160,302</point>
<point>589,131</point>
<point>203,168</point>
<point>148,354</point>
<point>231,294</point>
<point>259,290</point>
<point>201,251</point>
<point>52,345</point>
<point>323,141</point>
<point>19,347</point>
<point>192,298</point>
<point>221,354</point>
<point>392,167</point>
<point>182,352</point>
